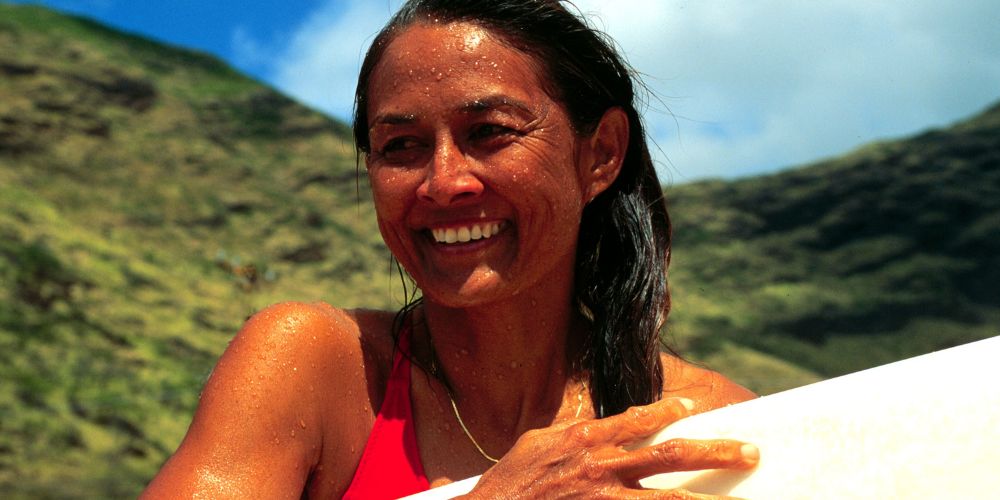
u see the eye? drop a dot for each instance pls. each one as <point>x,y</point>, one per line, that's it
<point>401,149</point>
<point>486,131</point>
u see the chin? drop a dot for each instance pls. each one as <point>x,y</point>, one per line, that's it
<point>472,293</point>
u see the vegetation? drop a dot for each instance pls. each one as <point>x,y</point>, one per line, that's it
<point>889,252</point>
<point>151,198</point>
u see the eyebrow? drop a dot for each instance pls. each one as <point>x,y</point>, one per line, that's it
<point>393,119</point>
<point>493,102</point>
<point>478,105</point>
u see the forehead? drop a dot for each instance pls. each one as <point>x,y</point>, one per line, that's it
<point>429,63</point>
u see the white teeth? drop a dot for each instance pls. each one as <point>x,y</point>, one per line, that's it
<point>466,234</point>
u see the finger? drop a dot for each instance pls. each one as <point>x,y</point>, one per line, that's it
<point>641,421</point>
<point>632,424</point>
<point>674,494</point>
<point>684,455</point>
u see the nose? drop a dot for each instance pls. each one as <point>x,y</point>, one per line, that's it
<point>450,179</point>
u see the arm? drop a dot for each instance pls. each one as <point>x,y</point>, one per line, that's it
<point>708,389</point>
<point>593,458</point>
<point>257,432</point>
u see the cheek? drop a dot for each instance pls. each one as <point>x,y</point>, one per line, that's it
<point>392,193</point>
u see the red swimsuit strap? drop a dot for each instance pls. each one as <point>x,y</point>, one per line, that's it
<point>390,464</point>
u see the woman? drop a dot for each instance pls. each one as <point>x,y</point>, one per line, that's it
<point>512,181</point>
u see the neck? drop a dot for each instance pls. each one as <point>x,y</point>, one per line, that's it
<point>494,357</point>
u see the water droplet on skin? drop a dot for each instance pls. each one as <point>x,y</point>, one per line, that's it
<point>302,423</point>
<point>293,432</point>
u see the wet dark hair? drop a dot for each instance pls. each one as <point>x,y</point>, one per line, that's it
<point>624,243</point>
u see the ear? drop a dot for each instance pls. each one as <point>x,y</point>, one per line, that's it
<point>603,153</point>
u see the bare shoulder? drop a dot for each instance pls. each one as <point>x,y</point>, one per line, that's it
<point>273,399</point>
<point>708,389</point>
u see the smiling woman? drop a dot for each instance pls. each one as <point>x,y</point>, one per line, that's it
<point>512,181</point>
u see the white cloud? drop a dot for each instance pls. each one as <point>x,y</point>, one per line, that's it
<point>767,84</point>
<point>753,86</point>
<point>248,52</point>
<point>320,64</point>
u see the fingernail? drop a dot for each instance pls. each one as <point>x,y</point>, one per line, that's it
<point>687,403</point>
<point>750,452</point>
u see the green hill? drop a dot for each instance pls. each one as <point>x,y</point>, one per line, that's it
<point>151,198</point>
<point>886,253</point>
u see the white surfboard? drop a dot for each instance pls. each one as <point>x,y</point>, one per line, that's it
<point>927,427</point>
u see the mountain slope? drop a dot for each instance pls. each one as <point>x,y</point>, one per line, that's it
<point>150,199</point>
<point>889,252</point>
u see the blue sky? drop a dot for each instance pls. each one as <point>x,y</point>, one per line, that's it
<point>744,87</point>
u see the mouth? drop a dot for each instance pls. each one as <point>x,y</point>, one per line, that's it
<point>456,235</point>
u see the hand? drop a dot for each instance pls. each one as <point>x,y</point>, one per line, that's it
<point>589,459</point>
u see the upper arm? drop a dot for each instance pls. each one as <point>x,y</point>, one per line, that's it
<point>708,389</point>
<point>258,430</point>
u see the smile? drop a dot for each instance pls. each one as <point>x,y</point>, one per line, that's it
<point>465,234</point>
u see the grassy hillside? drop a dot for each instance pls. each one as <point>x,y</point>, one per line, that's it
<point>888,252</point>
<point>151,198</point>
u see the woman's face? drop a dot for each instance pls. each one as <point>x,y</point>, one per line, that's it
<point>475,170</point>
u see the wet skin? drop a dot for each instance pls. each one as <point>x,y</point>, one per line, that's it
<point>463,136</point>
<point>462,133</point>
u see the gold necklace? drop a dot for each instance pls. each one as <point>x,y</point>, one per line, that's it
<point>458,416</point>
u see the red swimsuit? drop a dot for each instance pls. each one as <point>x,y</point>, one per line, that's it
<point>390,464</point>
